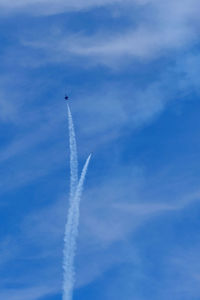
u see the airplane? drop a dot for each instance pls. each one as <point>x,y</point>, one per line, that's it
<point>66,97</point>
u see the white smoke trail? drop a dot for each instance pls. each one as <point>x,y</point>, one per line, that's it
<point>71,229</point>
<point>71,232</point>
<point>73,156</point>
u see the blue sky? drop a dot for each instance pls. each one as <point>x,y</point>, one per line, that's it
<point>131,69</point>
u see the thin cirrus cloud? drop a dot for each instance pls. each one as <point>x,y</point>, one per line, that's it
<point>51,7</point>
<point>32,293</point>
<point>159,28</point>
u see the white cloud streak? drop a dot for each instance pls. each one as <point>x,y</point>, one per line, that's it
<point>160,27</point>
<point>31,293</point>
<point>50,7</point>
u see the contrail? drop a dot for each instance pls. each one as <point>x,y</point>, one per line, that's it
<point>71,229</point>
<point>71,232</point>
<point>73,156</point>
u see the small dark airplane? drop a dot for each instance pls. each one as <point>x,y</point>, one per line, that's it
<point>66,97</point>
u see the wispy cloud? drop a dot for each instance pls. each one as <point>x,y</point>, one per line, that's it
<point>183,266</point>
<point>32,293</point>
<point>159,29</point>
<point>50,7</point>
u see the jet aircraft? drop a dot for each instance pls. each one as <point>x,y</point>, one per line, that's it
<point>66,97</point>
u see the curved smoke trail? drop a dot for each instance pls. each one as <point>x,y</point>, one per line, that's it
<point>71,229</point>
<point>71,232</point>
